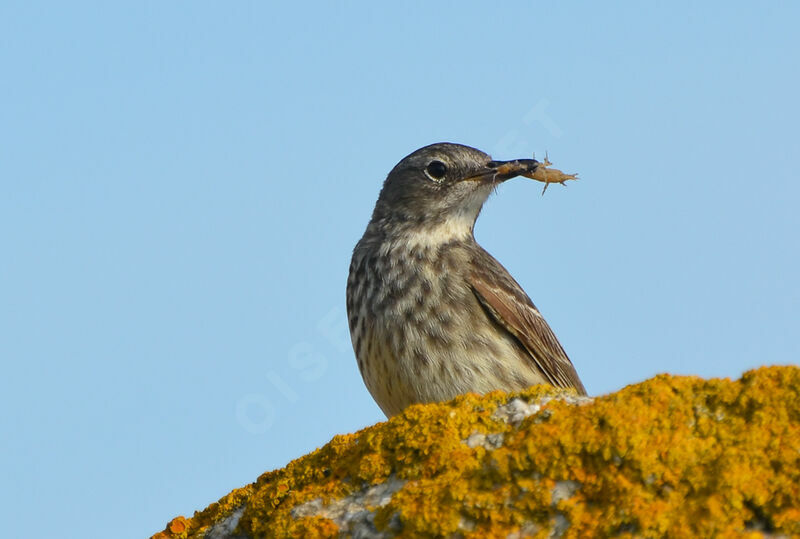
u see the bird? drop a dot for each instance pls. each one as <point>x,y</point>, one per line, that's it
<point>433,315</point>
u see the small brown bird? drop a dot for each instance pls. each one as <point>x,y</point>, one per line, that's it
<point>433,315</point>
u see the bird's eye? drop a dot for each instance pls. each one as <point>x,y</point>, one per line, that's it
<point>436,170</point>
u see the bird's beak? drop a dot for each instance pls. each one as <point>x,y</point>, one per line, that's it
<point>500,171</point>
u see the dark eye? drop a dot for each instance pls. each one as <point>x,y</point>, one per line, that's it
<point>436,170</point>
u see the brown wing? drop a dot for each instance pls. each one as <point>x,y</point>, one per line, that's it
<point>514,311</point>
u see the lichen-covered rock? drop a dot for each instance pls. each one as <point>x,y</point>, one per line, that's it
<point>672,456</point>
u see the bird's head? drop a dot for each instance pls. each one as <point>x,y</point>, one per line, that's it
<point>442,187</point>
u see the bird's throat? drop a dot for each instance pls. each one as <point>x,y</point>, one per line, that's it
<point>449,230</point>
<point>439,226</point>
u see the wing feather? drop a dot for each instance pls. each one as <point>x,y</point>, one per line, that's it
<point>514,311</point>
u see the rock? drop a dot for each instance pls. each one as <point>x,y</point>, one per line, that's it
<point>672,456</point>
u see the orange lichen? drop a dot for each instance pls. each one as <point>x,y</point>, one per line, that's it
<point>177,525</point>
<point>672,456</point>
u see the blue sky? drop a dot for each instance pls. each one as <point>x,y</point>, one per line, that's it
<point>181,185</point>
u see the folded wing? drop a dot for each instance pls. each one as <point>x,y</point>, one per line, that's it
<point>513,310</point>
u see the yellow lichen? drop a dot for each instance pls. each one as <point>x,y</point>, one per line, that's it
<point>672,456</point>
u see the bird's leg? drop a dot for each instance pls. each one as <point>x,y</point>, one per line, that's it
<point>549,175</point>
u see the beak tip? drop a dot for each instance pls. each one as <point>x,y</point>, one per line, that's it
<point>508,169</point>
